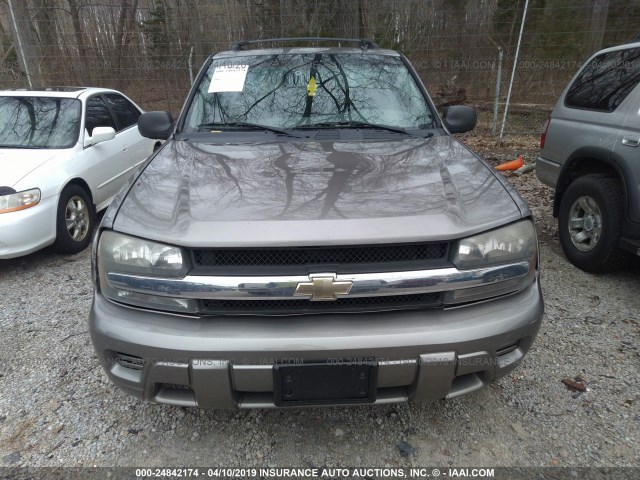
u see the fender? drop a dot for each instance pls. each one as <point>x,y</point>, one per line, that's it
<point>599,160</point>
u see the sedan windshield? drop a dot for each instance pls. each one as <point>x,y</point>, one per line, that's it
<point>39,122</point>
<point>308,90</point>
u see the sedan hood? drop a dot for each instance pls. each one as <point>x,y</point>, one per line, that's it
<point>16,163</point>
<point>315,193</point>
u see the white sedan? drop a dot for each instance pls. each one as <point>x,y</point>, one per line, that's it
<point>64,154</point>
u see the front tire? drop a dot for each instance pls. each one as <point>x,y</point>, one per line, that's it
<point>75,220</point>
<point>590,223</point>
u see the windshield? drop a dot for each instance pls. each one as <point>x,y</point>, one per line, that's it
<point>295,90</point>
<point>39,122</point>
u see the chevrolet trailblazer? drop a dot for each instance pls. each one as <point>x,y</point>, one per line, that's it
<point>311,233</point>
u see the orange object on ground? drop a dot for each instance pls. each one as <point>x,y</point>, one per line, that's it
<point>512,165</point>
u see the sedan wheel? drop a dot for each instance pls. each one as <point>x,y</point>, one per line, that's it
<point>75,220</point>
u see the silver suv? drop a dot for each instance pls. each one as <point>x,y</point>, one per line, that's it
<point>311,233</point>
<point>590,154</point>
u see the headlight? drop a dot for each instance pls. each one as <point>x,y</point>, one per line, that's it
<point>507,256</point>
<point>515,242</point>
<point>122,254</point>
<point>19,200</point>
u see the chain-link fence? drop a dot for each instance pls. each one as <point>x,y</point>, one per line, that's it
<point>464,50</point>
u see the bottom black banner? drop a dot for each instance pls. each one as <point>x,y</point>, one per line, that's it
<point>320,473</point>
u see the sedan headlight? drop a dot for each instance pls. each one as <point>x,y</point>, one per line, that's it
<point>504,259</point>
<point>13,202</point>
<point>140,260</point>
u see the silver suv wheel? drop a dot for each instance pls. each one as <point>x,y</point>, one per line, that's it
<point>585,223</point>
<point>590,222</point>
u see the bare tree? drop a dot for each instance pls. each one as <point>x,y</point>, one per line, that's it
<point>123,34</point>
<point>597,24</point>
<point>144,46</point>
<point>25,38</point>
<point>82,75</point>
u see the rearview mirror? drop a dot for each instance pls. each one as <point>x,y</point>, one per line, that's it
<point>156,125</point>
<point>100,134</point>
<point>459,118</point>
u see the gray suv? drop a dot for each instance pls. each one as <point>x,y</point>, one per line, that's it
<point>590,154</point>
<point>311,233</point>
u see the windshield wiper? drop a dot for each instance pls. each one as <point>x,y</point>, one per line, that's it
<point>355,123</point>
<point>255,126</point>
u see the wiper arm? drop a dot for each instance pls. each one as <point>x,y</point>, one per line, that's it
<point>354,123</point>
<point>255,126</point>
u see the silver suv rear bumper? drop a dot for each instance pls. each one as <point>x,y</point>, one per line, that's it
<point>548,171</point>
<point>227,362</point>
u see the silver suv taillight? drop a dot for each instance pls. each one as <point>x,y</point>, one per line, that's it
<point>543,136</point>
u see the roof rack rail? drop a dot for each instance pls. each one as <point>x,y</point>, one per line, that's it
<point>363,42</point>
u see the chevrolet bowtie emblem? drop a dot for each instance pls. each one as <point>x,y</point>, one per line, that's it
<point>323,288</point>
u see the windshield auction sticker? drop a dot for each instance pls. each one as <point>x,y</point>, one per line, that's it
<point>228,78</point>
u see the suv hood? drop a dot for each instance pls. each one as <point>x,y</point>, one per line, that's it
<point>315,193</point>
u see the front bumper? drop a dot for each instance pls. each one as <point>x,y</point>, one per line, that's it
<point>228,362</point>
<point>28,230</point>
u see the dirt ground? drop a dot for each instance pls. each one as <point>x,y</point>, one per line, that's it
<point>57,407</point>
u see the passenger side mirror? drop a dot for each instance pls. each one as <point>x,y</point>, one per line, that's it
<point>459,118</point>
<point>156,125</point>
<point>100,134</point>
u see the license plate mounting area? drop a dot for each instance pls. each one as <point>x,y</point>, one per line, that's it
<point>325,383</point>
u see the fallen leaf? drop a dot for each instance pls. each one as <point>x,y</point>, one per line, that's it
<point>573,385</point>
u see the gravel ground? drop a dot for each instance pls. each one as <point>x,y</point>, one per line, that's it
<point>57,407</point>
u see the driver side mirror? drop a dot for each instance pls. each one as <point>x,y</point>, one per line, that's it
<point>459,118</point>
<point>156,125</point>
<point>100,134</point>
